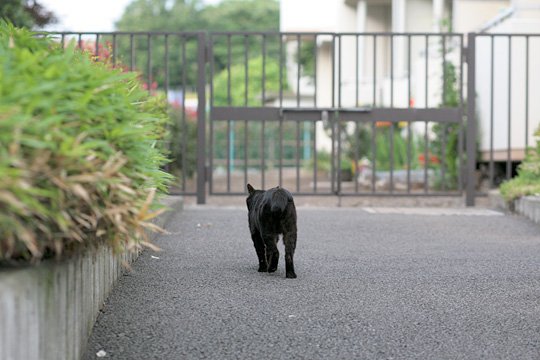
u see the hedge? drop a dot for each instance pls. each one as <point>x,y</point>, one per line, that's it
<point>80,151</point>
<point>527,182</point>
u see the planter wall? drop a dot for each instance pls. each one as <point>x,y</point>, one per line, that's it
<point>48,311</point>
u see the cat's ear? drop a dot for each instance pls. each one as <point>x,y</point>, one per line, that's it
<point>250,188</point>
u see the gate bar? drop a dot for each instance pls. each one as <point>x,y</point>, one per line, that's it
<point>471,119</point>
<point>201,119</point>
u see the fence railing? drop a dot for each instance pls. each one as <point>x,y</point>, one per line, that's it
<point>329,113</point>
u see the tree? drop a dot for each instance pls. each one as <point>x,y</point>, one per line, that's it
<point>190,16</point>
<point>26,13</point>
<point>193,15</point>
<point>242,15</point>
<point>161,15</point>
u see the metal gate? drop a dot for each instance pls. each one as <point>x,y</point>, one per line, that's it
<point>346,114</point>
<point>337,114</point>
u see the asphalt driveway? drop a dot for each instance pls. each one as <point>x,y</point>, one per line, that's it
<point>372,284</point>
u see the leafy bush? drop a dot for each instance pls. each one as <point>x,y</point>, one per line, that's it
<point>528,180</point>
<point>80,151</point>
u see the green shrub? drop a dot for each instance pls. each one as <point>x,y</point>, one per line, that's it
<point>528,180</point>
<point>80,156</point>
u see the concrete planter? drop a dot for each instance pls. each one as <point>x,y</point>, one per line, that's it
<point>528,206</point>
<point>48,311</point>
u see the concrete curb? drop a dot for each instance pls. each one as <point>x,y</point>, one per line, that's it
<point>48,311</point>
<point>528,206</point>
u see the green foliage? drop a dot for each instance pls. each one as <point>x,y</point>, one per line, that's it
<point>238,94</point>
<point>399,156</point>
<point>182,144</point>
<point>241,15</point>
<point>192,15</point>
<point>527,182</point>
<point>25,13</point>
<point>79,150</point>
<point>447,135</point>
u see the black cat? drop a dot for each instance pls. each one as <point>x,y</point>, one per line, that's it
<point>272,212</point>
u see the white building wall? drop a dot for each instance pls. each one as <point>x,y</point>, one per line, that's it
<point>509,99</point>
<point>470,15</point>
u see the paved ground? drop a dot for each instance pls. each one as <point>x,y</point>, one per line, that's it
<point>372,284</point>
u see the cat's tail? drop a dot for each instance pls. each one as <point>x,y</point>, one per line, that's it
<point>280,200</point>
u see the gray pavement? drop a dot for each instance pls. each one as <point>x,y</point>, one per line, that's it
<point>372,284</point>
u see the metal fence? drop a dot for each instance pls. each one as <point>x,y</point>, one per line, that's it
<point>170,64</point>
<point>346,114</point>
<point>505,84</point>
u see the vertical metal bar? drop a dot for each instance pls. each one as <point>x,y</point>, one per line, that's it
<point>426,156</point>
<point>263,102</point>
<point>427,72</point>
<point>391,132</point>
<point>167,64</point>
<point>201,119</point>
<point>63,41</point>
<point>263,97</point>
<point>426,128</point>
<point>374,157</point>
<point>246,103</point>
<point>281,151</point>
<point>262,154</point>
<point>229,144</point>
<point>332,119</point>
<point>356,153</point>
<point>246,70</point>
<point>462,166</point>
<point>526,93</point>
<point>391,70</point>
<point>509,159</point>
<point>409,121</point>
<point>114,50</point>
<point>245,152</point>
<point>298,69</point>
<point>444,69</point>
<point>357,65</point>
<point>492,105</point>
<point>96,54</point>
<point>374,71</point>
<point>443,155</point>
<point>315,156</point>
<point>211,123</point>
<point>184,120</point>
<point>229,71</point>
<point>298,156</point>
<point>374,124</point>
<point>132,52</point>
<point>149,63</point>
<point>333,67</point>
<point>333,150</point>
<point>212,69</point>
<point>471,119</point>
<point>80,41</point>
<point>230,124</point>
<point>338,166</point>
<point>315,71</point>
<point>340,57</point>
<point>280,75</point>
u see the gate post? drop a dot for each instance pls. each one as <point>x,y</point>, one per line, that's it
<point>201,118</point>
<point>471,120</point>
